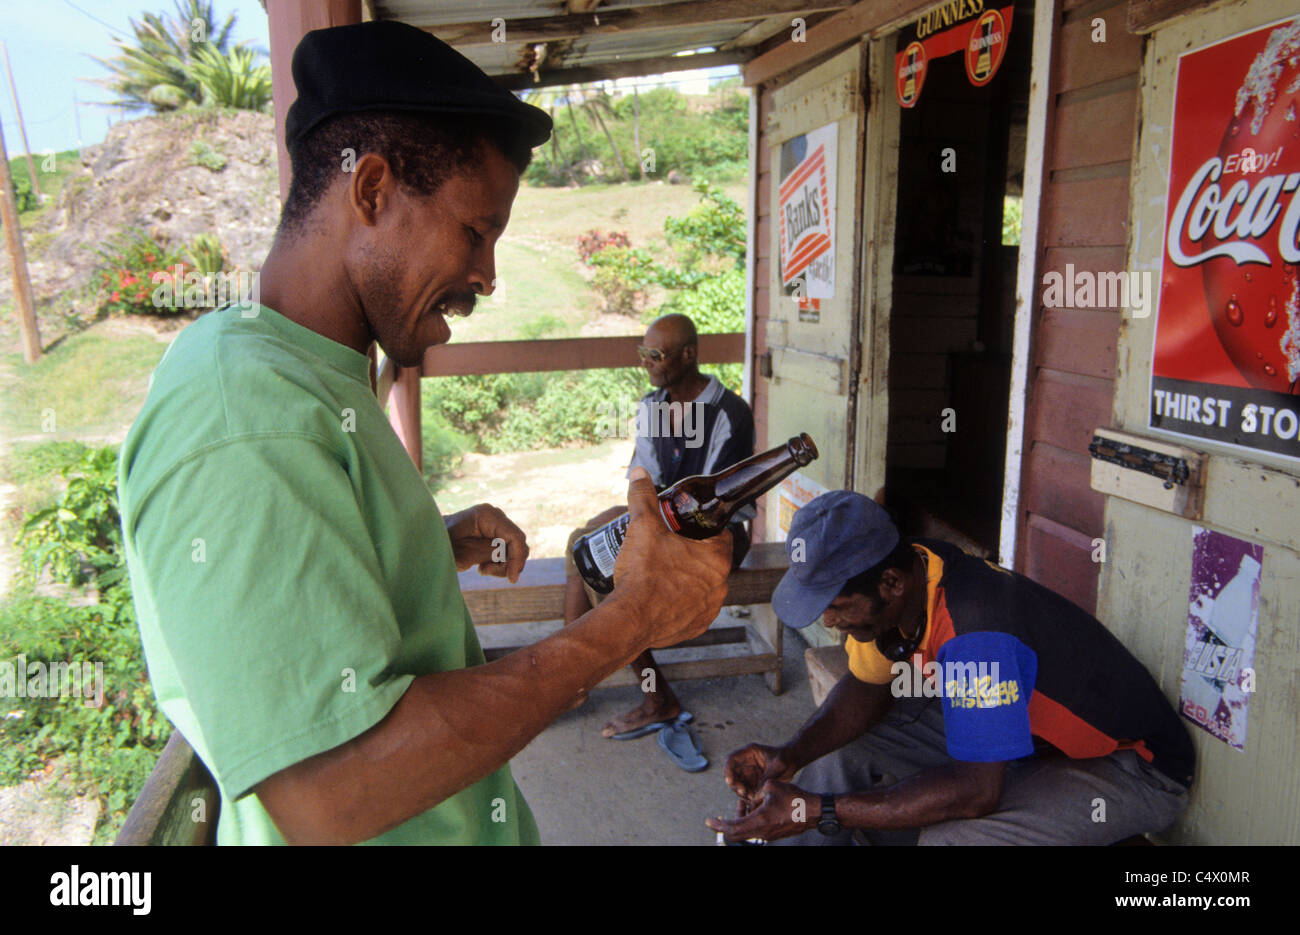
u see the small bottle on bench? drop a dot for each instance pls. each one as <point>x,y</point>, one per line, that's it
<point>695,507</point>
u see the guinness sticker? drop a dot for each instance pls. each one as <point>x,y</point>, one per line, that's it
<point>910,75</point>
<point>986,48</point>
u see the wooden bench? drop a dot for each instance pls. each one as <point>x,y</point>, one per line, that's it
<point>748,647</point>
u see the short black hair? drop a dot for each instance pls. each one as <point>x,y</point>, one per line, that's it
<point>867,583</point>
<point>423,150</point>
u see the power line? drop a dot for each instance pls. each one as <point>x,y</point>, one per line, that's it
<point>111,28</point>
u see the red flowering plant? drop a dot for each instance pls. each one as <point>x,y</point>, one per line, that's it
<point>592,242</point>
<point>123,279</point>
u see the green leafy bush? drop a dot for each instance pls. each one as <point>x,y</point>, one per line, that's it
<point>713,228</point>
<point>520,411</point>
<point>79,537</point>
<point>122,278</point>
<point>24,198</point>
<point>443,447</point>
<point>207,255</point>
<point>111,744</point>
<point>622,273</point>
<point>203,154</point>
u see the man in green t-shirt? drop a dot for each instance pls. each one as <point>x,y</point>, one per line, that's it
<point>294,581</point>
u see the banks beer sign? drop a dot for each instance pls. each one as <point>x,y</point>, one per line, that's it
<point>1226,361</point>
<point>806,214</point>
<point>964,26</point>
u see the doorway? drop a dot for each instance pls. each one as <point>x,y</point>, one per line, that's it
<point>960,169</point>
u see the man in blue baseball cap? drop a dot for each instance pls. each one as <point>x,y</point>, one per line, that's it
<point>979,708</point>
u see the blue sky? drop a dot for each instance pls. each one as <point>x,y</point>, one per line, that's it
<point>48,43</point>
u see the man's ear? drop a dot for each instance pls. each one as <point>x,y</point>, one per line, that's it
<point>370,188</point>
<point>891,584</point>
<point>690,353</point>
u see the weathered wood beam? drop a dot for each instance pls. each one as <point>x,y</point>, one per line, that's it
<point>164,812</point>
<point>623,68</point>
<point>450,360</point>
<point>1146,15</point>
<point>665,16</point>
<point>759,32</point>
<point>868,16</point>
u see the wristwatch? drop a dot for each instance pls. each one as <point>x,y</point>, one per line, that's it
<point>828,824</point>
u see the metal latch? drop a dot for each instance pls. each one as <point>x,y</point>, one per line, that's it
<point>1168,468</point>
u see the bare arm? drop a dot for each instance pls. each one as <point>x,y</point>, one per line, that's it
<point>953,791</point>
<point>451,729</point>
<point>849,711</point>
<point>941,793</point>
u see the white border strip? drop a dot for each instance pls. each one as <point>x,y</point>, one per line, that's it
<point>1040,79</point>
<point>751,222</point>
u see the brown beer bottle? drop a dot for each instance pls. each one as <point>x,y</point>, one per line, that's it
<point>695,507</point>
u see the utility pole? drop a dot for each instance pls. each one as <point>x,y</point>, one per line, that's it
<point>17,260</point>
<point>22,129</point>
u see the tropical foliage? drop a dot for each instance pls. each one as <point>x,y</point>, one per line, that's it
<point>183,60</point>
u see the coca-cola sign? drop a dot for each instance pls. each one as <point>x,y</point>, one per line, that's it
<point>1226,364</point>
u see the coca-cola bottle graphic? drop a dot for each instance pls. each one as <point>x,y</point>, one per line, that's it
<point>1251,285</point>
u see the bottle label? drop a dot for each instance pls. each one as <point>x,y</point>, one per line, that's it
<point>605,544</point>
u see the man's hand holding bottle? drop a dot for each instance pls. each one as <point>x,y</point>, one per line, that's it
<point>676,584</point>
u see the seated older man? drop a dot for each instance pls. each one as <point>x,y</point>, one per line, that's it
<point>711,429</point>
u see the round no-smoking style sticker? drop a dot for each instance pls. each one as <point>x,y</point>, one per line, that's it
<point>909,74</point>
<point>986,48</point>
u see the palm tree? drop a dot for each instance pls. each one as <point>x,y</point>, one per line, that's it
<point>595,103</point>
<point>156,73</point>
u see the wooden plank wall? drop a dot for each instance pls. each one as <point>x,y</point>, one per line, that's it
<point>1085,210</point>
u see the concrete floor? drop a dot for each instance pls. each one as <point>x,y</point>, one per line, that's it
<point>584,789</point>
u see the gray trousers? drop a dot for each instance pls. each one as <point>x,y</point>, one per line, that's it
<point>1045,800</point>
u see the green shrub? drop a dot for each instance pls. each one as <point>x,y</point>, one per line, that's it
<point>203,154</point>
<point>79,537</point>
<point>206,255</point>
<point>715,304</point>
<point>713,228</point>
<point>108,746</point>
<point>24,198</point>
<point>622,273</point>
<point>521,411</point>
<point>444,448</point>
<point>123,277</point>
<point>111,745</point>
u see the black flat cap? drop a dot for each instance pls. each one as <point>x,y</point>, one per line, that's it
<point>385,65</point>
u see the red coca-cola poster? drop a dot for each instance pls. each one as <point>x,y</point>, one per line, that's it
<point>1226,363</point>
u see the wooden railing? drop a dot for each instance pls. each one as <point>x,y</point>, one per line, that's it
<point>402,384</point>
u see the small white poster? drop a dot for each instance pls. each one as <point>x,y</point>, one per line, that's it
<point>806,213</point>
<point>1222,618</point>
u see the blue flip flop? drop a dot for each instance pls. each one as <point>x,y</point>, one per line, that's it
<point>684,718</point>
<point>678,740</point>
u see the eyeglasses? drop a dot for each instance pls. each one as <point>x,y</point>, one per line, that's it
<point>653,353</point>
